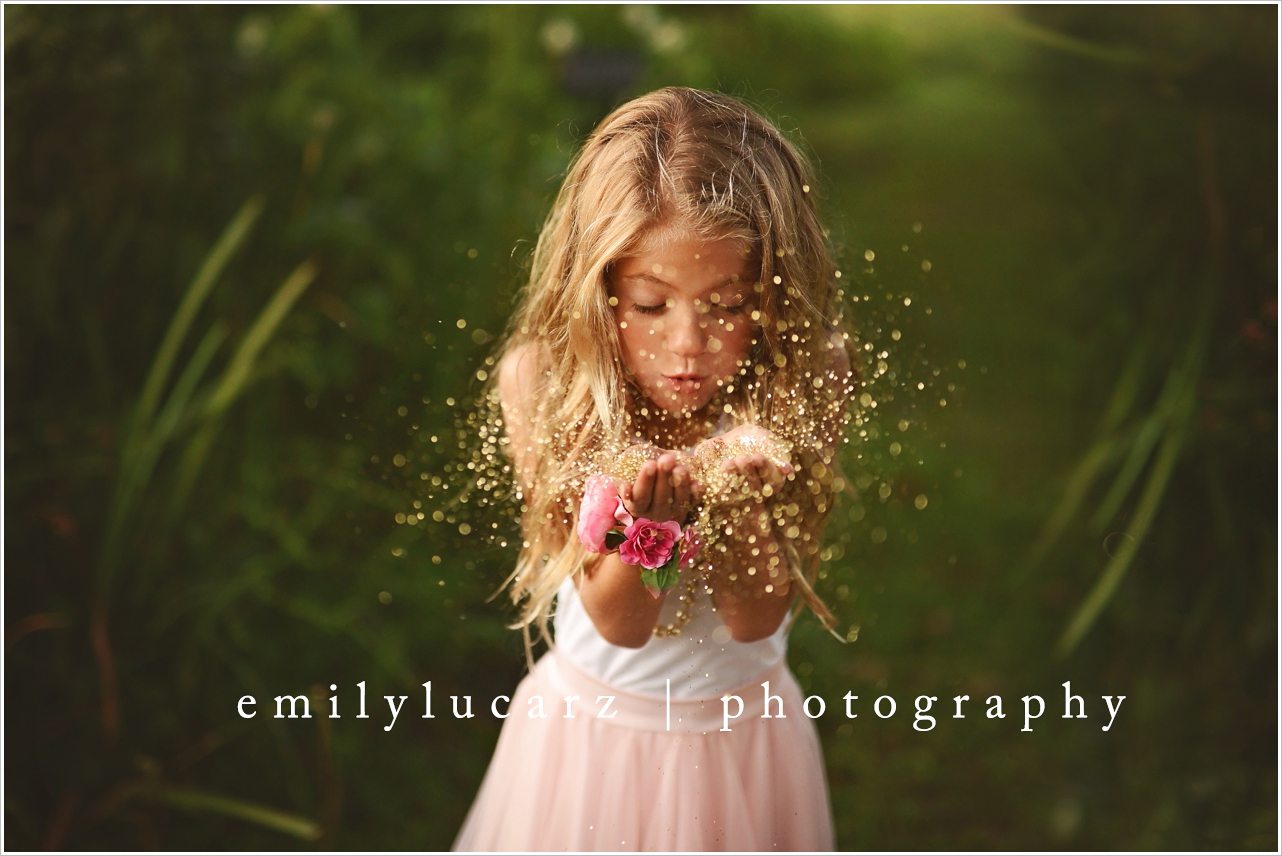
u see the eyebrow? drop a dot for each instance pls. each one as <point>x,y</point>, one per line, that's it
<point>648,277</point>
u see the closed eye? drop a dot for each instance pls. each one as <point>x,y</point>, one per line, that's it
<point>650,310</point>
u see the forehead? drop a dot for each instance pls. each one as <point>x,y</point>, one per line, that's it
<point>685,261</point>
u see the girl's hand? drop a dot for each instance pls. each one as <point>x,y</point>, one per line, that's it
<point>744,442</point>
<point>762,476</point>
<point>663,490</point>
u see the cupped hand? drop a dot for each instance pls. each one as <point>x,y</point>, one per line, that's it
<point>662,490</point>
<point>761,476</point>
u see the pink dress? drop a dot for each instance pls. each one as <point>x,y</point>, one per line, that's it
<point>662,765</point>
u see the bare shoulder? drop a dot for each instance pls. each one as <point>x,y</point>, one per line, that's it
<point>838,354</point>
<point>519,378</point>
<point>519,371</point>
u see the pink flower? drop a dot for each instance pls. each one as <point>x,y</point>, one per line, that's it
<point>621,514</point>
<point>649,543</point>
<point>598,513</point>
<point>690,546</point>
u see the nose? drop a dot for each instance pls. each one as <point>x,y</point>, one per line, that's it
<point>686,336</point>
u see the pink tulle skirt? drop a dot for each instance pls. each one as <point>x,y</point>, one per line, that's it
<point>653,777</point>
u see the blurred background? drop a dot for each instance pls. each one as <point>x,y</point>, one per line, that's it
<point>254,258</point>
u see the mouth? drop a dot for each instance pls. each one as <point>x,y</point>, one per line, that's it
<point>685,383</point>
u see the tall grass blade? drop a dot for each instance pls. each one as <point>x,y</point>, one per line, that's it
<point>1150,500</point>
<point>231,239</point>
<point>1149,434</point>
<point>190,799</point>
<point>1102,452</point>
<point>236,377</point>
<point>1179,425</point>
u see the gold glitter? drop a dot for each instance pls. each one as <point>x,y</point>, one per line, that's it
<point>925,265</point>
<point>878,535</point>
<point>464,529</point>
<point>895,449</point>
<point>895,334</point>
<point>869,255</point>
<point>805,188</point>
<point>908,301</point>
<point>920,501</point>
<point>385,597</point>
<point>461,323</point>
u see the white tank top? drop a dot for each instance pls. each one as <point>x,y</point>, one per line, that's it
<point>703,662</point>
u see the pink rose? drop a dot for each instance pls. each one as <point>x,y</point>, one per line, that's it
<point>690,546</point>
<point>649,543</point>
<point>598,512</point>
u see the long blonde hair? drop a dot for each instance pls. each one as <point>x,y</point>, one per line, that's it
<point>712,165</point>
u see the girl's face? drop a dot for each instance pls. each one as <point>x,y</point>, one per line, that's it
<point>684,306</point>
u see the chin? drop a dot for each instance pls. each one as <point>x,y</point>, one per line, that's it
<point>682,407</point>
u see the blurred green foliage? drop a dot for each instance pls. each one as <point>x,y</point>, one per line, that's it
<point>207,440</point>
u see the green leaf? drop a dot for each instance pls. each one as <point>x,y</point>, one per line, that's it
<point>663,577</point>
<point>613,539</point>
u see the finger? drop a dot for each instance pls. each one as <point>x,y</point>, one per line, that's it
<point>662,500</point>
<point>747,468</point>
<point>643,488</point>
<point>772,474</point>
<point>681,490</point>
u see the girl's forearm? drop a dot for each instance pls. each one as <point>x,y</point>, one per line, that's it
<point>623,611</point>
<point>751,588</point>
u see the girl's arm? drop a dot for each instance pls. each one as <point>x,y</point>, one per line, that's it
<point>753,605</point>
<point>752,589</point>
<point>613,597</point>
<point>623,611</point>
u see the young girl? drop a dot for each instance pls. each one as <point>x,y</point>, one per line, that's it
<point>678,346</point>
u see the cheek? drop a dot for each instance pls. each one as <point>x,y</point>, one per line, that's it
<point>734,338</point>
<point>636,338</point>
